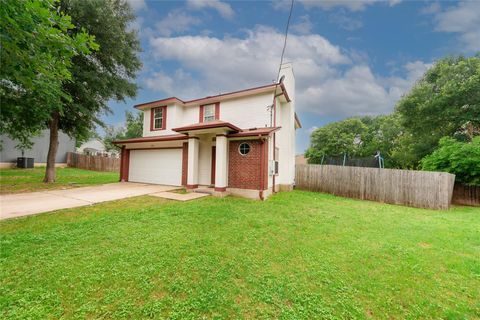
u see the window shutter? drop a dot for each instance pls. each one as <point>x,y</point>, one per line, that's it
<point>217,111</point>
<point>201,114</point>
<point>164,118</point>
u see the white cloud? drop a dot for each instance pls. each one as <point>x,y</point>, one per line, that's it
<point>344,21</point>
<point>463,19</point>
<point>176,21</point>
<point>327,80</point>
<point>432,8</point>
<point>359,92</point>
<point>235,62</point>
<point>137,5</point>
<point>352,5</point>
<point>224,9</point>
<point>392,3</point>
<point>282,4</point>
<point>355,92</point>
<point>170,85</point>
<point>305,26</point>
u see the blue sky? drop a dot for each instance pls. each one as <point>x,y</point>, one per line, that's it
<point>350,58</point>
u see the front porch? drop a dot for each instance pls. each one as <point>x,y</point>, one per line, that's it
<point>205,160</point>
<point>206,153</point>
<point>220,158</point>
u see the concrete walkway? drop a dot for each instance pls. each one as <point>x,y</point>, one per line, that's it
<point>179,196</point>
<point>23,204</point>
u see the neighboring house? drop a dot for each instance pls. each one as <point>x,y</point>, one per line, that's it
<point>300,159</point>
<point>95,147</point>
<point>231,142</point>
<point>39,150</point>
<point>92,147</point>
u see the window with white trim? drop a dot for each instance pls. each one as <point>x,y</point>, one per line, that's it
<point>158,118</point>
<point>208,112</point>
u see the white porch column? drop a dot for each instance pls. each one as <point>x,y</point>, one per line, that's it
<point>221,163</point>
<point>192,172</point>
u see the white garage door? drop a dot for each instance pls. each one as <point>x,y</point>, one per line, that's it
<point>162,166</point>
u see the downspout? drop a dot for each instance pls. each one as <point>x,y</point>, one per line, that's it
<point>262,169</point>
<point>122,163</point>
<point>274,140</point>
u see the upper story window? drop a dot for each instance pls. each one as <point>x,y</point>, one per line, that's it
<point>158,119</point>
<point>208,112</point>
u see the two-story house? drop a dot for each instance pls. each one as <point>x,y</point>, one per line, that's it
<point>240,142</point>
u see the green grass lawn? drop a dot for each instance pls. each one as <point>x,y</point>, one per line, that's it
<point>298,255</point>
<point>27,180</point>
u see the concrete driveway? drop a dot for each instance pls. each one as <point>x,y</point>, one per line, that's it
<point>23,204</point>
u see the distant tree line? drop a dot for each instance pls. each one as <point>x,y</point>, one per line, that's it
<point>133,129</point>
<point>433,127</point>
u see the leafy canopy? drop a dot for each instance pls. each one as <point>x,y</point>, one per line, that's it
<point>445,102</point>
<point>106,74</point>
<point>457,157</point>
<point>36,55</point>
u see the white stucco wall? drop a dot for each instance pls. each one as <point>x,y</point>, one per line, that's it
<point>285,138</point>
<point>245,113</point>
<point>177,116</point>
<point>248,112</point>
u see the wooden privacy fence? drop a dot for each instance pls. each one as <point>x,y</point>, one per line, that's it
<point>421,189</point>
<point>96,163</point>
<point>466,195</point>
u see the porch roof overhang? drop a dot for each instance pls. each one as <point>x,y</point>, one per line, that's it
<point>254,132</point>
<point>170,137</point>
<point>215,125</point>
<point>208,127</point>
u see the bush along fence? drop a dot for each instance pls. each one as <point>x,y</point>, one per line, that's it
<point>96,163</point>
<point>420,189</point>
<point>466,195</point>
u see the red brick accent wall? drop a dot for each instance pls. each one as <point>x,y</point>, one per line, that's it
<point>124,164</point>
<point>249,171</point>
<point>184,163</point>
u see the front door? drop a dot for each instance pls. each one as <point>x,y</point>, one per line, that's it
<point>214,152</point>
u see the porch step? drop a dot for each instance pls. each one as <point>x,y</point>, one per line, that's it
<point>204,190</point>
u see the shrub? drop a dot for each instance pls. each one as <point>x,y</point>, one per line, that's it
<point>456,157</point>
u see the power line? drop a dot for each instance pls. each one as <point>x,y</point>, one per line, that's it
<point>281,62</point>
<point>285,40</point>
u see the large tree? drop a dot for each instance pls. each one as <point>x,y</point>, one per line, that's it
<point>106,74</point>
<point>36,51</point>
<point>444,102</point>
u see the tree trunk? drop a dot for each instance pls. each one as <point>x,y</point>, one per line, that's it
<point>52,149</point>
